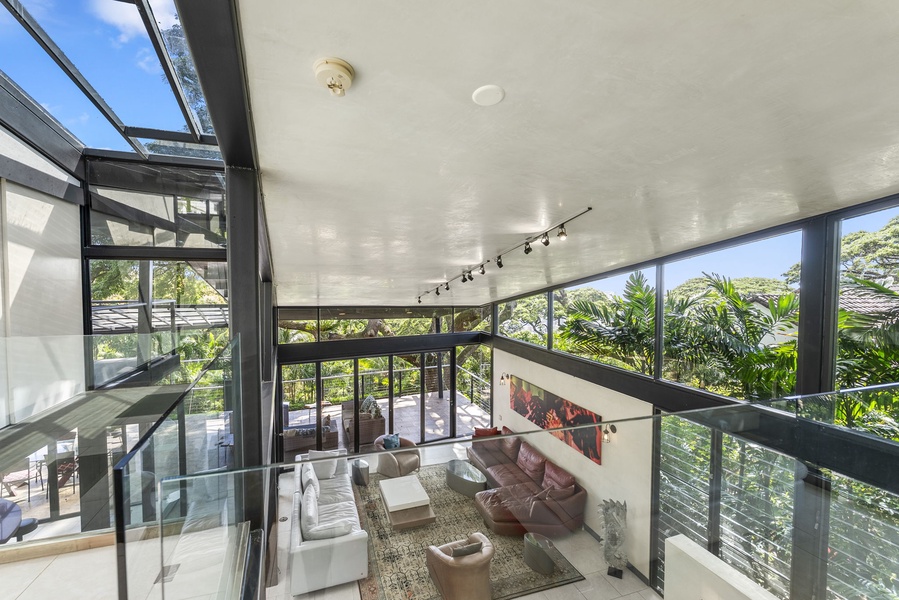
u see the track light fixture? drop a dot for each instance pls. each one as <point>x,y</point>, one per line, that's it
<point>466,275</point>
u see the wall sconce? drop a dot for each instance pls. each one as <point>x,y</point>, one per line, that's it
<point>607,433</point>
<point>504,378</point>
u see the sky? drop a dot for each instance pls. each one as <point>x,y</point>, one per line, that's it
<point>107,42</point>
<point>770,257</point>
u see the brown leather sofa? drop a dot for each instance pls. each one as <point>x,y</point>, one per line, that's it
<point>530,493</point>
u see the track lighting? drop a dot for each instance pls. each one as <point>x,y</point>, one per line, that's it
<point>562,234</point>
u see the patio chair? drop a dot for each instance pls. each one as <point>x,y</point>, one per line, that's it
<point>19,473</point>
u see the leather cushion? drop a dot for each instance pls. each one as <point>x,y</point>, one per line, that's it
<point>531,462</point>
<point>492,505</point>
<point>510,445</point>
<point>557,477</point>
<point>467,549</point>
<point>506,474</point>
<point>556,493</point>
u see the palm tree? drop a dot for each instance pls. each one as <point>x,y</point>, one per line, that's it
<point>620,330</point>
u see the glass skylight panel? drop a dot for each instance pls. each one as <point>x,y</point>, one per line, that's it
<point>27,64</point>
<point>170,26</point>
<point>183,149</point>
<point>106,40</point>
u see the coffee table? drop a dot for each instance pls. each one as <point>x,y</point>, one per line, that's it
<point>463,477</point>
<point>406,501</point>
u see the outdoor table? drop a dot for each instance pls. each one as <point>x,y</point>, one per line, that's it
<point>10,519</point>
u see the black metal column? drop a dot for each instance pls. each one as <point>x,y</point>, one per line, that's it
<point>244,310</point>
<point>716,468</point>
<point>811,528</point>
<point>453,381</point>
<point>144,311</point>
<point>390,394</point>
<point>93,479</point>
<point>818,306</point>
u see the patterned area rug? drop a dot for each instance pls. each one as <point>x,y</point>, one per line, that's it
<point>397,568</point>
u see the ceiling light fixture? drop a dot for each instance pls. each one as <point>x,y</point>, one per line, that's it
<point>470,276</point>
<point>419,299</point>
<point>545,239</point>
<point>446,286</point>
<point>499,261</point>
<point>482,271</point>
<point>527,248</point>
<point>563,235</point>
<point>437,290</point>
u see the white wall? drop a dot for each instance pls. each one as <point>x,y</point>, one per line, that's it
<point>40,296</point>
<point>693,573</point>
<point>626,471</point>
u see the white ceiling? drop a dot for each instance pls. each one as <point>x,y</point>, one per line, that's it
<point>681,123</point>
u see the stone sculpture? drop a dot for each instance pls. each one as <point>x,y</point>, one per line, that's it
<point>614,515</point>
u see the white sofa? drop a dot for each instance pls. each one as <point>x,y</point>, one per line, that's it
<point>327,544</point>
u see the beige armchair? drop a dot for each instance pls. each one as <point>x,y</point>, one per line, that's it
<point>397,463</point>
<point>462,577</point>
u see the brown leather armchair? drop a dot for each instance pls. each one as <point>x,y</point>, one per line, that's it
<point>462,577</point>
<point>397,463</point>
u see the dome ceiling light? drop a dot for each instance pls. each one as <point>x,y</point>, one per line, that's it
<point>335,74</point>
<point>488,95</point>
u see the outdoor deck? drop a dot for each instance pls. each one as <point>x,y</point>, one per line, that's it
<point>407,416</point>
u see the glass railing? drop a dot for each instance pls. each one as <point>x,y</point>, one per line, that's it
<point>660,503</point>
<point>62,436</point>
<point>195,435</point>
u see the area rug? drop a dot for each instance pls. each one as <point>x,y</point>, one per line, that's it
<point>397,568</point>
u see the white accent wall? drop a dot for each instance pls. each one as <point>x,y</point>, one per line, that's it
<point>626,471</point>
<point>42,354</point>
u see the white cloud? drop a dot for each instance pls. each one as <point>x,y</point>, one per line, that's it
<point>80,119</point>
<point>124,16</point>
<point>148,62</point>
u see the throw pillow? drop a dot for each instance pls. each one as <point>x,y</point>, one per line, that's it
<point>467,549</point>
<point>327,531</point>
<point>324,469</point>
<point>485,431</point>
<point>556,493</point>
<point>290,432</point>
<point>370,407</point>
<point>391,441</point>
<point>309,479</point>
<point>309,517</point>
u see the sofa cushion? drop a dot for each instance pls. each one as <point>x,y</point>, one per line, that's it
<point>531,462</point>
<point>333,491</point>
<point>557,477</point>
<point>324,469</point>
<point>508,474</point>
<point>326,531</point>
<point>338,511</point>
<point>510,445</point>
<point>309,512</point>
<point>491,503</point>
<point>309,479</point>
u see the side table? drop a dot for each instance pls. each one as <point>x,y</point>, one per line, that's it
<point>360,472</point>
<point>536,553</point>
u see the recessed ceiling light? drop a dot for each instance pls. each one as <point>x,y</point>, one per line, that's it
<point>488,95</point>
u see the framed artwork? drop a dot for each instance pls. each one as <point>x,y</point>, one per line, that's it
<point>548,411</point>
